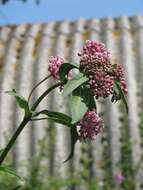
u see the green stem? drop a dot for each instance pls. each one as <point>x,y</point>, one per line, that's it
<point>13,139</point>
<point>30,94</point>
<point>37,119</point>
<point>35,105</point>
<point>25,120</point>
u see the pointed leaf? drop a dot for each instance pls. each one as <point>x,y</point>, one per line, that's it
<point>74,83</point>
<point>119,91</point>
<point>60,121</point>
<point>57,115</point>
<point>22,102</point>
<point>74,138</point>
<point>78,108</point>
<point>65,69</point>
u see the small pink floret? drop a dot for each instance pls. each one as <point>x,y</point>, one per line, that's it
<point>54,64</point>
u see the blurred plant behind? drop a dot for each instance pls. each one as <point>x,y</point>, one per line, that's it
<point>3,2</point>
<point>39,177</point>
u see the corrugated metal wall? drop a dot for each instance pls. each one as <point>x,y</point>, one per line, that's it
<point>24,52</point>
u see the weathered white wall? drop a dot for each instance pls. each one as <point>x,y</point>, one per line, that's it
<point>24,52</point>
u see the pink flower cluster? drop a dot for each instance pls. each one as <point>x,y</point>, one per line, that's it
<point>96,64</point>
<point>101,84</point>
<point>89,126</point>
<point>54,64</point>
<point>119,178</point>
<point>94,54</point>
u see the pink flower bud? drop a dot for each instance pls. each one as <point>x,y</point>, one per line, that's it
<point>54,64</point>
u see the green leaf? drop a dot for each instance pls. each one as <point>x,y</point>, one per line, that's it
<point>60,121</point>
<point>88,98</point>
<point>54,114</point>
<point>74,138</point>
<point>21,101</point>
<point>9,171</point>
<point>65,69</point>
<point>57,117</point>
<point>78,108</point>
<point>118,90</point>
<point>86,95</point>
<point>74,83</point>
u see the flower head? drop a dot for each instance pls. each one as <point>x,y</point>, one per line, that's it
<point>95,63</point>
<point>89,126</point>
<point>92,47</point>
<point>54,64</point>
<point>94,55</point>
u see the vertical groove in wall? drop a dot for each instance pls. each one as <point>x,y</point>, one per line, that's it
<point>137,31</point>
<point>94,29</point>
<point>19,35</point>
<point>128,61</point>
<point>61,137</point>
<point>87,171</point>
<point>41,71</point>
<point>106,132</point>
<point>114,130</point>
<point>5,37</point>
<point>25,84</point>
<point>8,83</point>
<point>35,62</point>
<point>137,25</point>
<point>51,131</point>
<point>77,42</point>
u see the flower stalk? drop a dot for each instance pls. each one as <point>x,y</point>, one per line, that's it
<point>35,105</point>
<point>24,122</point>
<point>30,94</point>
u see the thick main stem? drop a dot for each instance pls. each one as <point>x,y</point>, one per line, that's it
<point>13,139</point>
